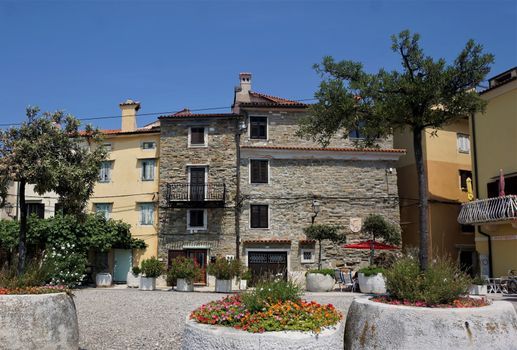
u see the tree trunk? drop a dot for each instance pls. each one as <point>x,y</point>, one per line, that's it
<point>423,202</point>
<point>22,250</point>
<point>319,257</point>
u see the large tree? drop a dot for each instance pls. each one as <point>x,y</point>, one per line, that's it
<point>424,93</point>
<point>47,152</point>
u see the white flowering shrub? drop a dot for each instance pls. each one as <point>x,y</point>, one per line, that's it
<point>66,265</point>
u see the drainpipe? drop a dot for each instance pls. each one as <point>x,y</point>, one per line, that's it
<point>476,187</point>
<point>238,188</point>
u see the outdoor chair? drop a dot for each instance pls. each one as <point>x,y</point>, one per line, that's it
<point>344,279</point>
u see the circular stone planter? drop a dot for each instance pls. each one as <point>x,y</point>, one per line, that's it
<point>183,285</point>
<point>43,321</point>
<point>197,336</point>
<point>223,286</point>
<point>373,325</point>
<point>317,282</point>
<point>374,284</point>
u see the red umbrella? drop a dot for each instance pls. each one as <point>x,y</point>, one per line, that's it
<point>501,183</point>
<point>368,245</point>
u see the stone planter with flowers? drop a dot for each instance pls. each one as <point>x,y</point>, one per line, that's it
<point>182,273</point>
<point>224,270</point>
<point>152,268</point>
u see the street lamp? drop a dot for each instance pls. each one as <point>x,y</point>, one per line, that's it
<point>8,209</point>
<point>315,210</point>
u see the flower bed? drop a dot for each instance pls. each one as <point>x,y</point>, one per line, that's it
<point>34,290</point>
<point>281,316</point>
<point>462,302</point>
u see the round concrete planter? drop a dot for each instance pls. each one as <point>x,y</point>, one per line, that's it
<point>147,283</point>
<point>44,321</point>
<point>478,289</point>
<point>223,286</point>
<point>133,280</point>
<point>373,325</point>
<point>103,279</point>
<point>184,285</point>
<point>374,284</point>
<point>317,282</point>
<point>197,336</point>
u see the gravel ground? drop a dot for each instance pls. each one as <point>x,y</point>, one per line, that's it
<point>132,319</point>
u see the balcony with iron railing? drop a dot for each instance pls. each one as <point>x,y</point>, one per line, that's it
<point>491,210</point>
<point>187,195</point>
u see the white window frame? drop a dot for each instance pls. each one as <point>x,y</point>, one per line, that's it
<point>110,170</point>
<point>313,254</point>
<point>190,145</point>
<point>142,161</point>
<point>460,143</point>
<point>151,205</point>
<point>109,207</point>
<point>108,146</point>
<point>268,217</point>
<point>148,149</point>
<point>268,171</point>
<point>267,127</point>
<point>194,229</point>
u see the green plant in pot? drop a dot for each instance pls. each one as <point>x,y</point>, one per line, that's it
<point>321,280</point>
<point>377,227</point>
<point>133,277</point>
<point>182,273</point>
<point>152,268</point>
<point>478,286</point>
<point>224,270</point>
<point>245,277</point>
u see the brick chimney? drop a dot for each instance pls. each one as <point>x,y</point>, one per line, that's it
<point>242,91</point>
<point>129,109</point>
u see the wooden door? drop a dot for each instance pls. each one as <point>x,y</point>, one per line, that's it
<point>197,184</point>
<point>200,258</point>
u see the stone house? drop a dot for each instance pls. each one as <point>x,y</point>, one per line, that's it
<point>243,185</point>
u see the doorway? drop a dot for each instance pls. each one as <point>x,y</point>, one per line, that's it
<point>122,259</point>
<point>264,265</point>
<point>200,258</point>
<point>197,183</point>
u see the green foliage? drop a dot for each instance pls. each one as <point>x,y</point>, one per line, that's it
<point>246,275</point>
<point>66,266</point>
<point>9,234</point>
<point>442,282</point>
<point>329,272</point>
<point>36,274</point>
<point>377,226</point>
<point>478,280</point>
<point>224,269</point>
<point>136,270</point>
<point>152,267</point>
<point>183,267</point>
<point>271,292</point>
<point>322,232</point>
<point>371,270</point>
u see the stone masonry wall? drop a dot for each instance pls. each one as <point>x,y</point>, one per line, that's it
<point>220,158</point>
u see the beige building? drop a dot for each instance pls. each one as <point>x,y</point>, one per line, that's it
<point>127,189</point>
<point>447,165</point>
<point>494,143</point>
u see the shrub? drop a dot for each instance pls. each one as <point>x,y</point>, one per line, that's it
<point>271,292</point>
<point>478,280</point>
<point>371,270</point>
<point>224,269</point>
<point>442,283</point>
<point>329,272</point>
<point>36,274</point>
<point>136,270</point>
<point>183,267</point>
<point>66,265</point>
<point>322,232</point>
<point>152,267</point>
<point>246,275</point>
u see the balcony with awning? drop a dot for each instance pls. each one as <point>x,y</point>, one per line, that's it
<point>496,210</point>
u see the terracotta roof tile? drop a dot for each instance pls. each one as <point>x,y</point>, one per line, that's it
<point>268,241</point>
<point>186,113</point>
<point>272,101</point>
<point>332,149</point>
<point>307,241</point>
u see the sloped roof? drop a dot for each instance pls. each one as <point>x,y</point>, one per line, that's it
<point>264,100</point>
<point>332,149</point>
<point>186,113</point>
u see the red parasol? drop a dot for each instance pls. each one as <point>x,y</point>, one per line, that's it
<point>501,183</point>
<point>368,245</point>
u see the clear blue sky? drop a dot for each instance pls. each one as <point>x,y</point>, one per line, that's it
<point>86,57</point>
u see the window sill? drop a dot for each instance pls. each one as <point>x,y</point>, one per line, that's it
<point>147,180</point>
<point>197,146</point>
<point>260,228</point>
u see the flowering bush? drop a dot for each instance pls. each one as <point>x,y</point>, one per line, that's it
<point>152,267</point>
<point>296,315</point>
<point>271,292</point>
<point>66,265</point>
<point>461,302</point>
<point>224,269</point>
<point>34,290</point>
<point>183,267</point>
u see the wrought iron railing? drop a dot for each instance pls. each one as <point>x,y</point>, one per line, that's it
<point>183,191</point>
<point>488,210</point>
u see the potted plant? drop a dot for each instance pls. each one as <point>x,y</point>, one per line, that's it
<point>244,278</point>
<point>478,286</point>
<point>224,271</point>
<point>377,226</point>
<point>183,272</point>
<point>151,269</point>
<point>371,280</point>
<point>322,280</point>
<point>133,277</point>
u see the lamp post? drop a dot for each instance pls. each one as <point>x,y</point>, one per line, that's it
<point>8,209</point>
<point>315,210</point>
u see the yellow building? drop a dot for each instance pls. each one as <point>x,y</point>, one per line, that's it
<point>494,143</point>
<point>127,189</point>
<point>448,164</point>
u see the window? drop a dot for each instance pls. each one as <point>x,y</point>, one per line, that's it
<point>307,255</point>
<point>105,173</point>
<point>196,219</point>
<point>107,146</point>
<point>37,209</point>
<point>356,133</point>
<point>464,175</point>
<point>198,137</point>
<point>259,171</point>
<point>103,209</point>
<point>148,145</point>
<point>148,169</point>
<point>259,216</point>
<point>258,128</point>
<point>463,143</point>
<point>147,214</point>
